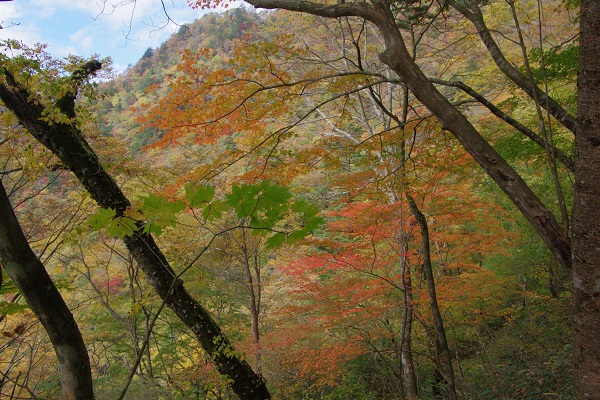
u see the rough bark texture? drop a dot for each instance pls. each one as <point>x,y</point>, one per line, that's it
<point>30,276</point>
<point>586,215</point>
<point>68,144</point>
<point>409,376</point>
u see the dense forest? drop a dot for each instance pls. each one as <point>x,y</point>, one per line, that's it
<point>341,200</point>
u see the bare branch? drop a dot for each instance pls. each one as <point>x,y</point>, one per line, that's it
<point>559,154</point>
<point>473,14</point>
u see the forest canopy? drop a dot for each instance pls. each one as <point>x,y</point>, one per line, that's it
<point>304,200</point>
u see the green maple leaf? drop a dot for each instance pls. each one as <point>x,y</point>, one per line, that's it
<point>199,195</point>
<point>101,218</point>
<point>159,212</point>
<point>214,210</point>
<point>121,227</point>
<point>275,241</point>
<point>265,203</point>
<point>267,206</point>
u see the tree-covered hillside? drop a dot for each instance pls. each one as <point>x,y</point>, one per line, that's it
<point>141,84</point>
<point>343,200</point>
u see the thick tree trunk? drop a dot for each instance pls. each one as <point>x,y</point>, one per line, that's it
<point>438,323</point>
<point>66,142</point>
<point>586,215</point>
<point>30,276</point>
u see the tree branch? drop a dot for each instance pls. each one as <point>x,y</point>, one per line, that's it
<point>359,9</point>
<point>66,104</point>
<point>559,154</point>
<point>473,14</point>
<point>397,57</point>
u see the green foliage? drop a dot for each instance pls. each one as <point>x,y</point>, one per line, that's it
<point>52,79</point>
<point>9,308</point>
<point>148,53</point>
<point>263,200</point>
<point>114,226</point>
<point>412,12</point>
<point>109,387</point>
<point>226,350</point>
<point>363,380</point>
<point>159,213</point>
<point>559,63</point>
<point>198,196</point>
<point>214,210</point>
<point>532,353</point>
<point>572,4</point>
<point>514,146</point>
<point>266,208</point>
<point>101,218</point>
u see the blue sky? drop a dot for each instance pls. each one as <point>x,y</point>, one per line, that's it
<point>121,29</point>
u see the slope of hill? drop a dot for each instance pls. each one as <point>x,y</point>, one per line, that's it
<point>143,83</point>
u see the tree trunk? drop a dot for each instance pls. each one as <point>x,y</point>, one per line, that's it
<point>438,323</point>
<point>409,376</point>
<point>30,276</point>
<point>586,215</point>
<point>396,57</point>
<point>254,287</point>
<point>67,142</point>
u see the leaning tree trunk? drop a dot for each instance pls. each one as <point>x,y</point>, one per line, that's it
<point>397,57</point>
<point>30,276</point>
<point>68,144</point>
<point>586,215</point>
